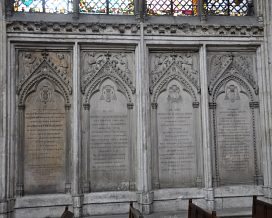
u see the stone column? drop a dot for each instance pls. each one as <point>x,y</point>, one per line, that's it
<point>265,82</point>
<point>68,149</point>
<point>3,129</point>
<point>85,148</point>
<point>145,196</point>
<point>76,137</point>
<point>131,153</point>
<point>20,151</point>
<point>205,129</point>
<point>154,143</point>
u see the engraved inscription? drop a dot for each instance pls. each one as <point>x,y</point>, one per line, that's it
<point>44,141</point>
<point>234,133</point>
<point>177,155</point>
<point>109,142</point>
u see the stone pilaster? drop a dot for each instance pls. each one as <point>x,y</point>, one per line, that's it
<point>3,130</point>
<point>76,138</point>
<point>143,134</point>
<point>266,98</point>
<point>205,130</point>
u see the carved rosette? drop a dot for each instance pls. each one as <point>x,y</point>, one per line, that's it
<point>168,66</point>
<point>98,66</point>
<point>35,66</point>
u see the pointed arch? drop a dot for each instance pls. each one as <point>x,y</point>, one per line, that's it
<point>43,72</point>
<point>237,78</point>
<point>188,87</point>
<point>94,87</point>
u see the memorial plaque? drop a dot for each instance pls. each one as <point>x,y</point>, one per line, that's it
<point>109,140</point>
<point>44,153</point>
<point>234,136</point>
<point>176,138</point>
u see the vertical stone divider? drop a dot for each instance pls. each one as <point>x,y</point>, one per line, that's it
<point>11,120</point>
<point>154,144</point>
<point>259,123</point>
<point>198,145</point>
<point>254,106</point>
<point>145,195</point>
<point>85,148</point>
<point>20,151</point>
<point>266,96</point>
<point>205,129</point>
<point>131,148</point>
<point>3,102</point>
<point>75,9</point>
<point>68,150</point>
<point>76,137</point>
<point>215,170</point>
<point>258,7</point>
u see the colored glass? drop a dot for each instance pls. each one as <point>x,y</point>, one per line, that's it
<point>107,6</point>
<point>47,6</point>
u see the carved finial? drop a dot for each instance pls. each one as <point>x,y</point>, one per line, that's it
<point>108,55</point>
<point>231,56</point>
<point>173,55</point>
<point>45,54</point>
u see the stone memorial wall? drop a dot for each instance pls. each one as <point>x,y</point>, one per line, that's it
<point>108,114</point>
<point>100,110</point>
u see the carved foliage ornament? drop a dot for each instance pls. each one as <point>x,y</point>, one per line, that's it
<point>173,64</point>
<point>154,29</point>
<point>37,65</point>
<point>226,65</point>
<point>96,66</point>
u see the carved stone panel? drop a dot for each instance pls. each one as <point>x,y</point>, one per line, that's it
<point>176,138</point>
<point>109,139</point>
<point>234,136</point>
<point>107,85</point>
<point>43,89</point>
<point>234,112</point>
<point>45,131</point>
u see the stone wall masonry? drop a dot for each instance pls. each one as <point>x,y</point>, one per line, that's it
<point>156,111</point>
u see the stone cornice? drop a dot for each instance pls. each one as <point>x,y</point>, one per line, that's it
<point>184,29</point>
<point>204,30</point>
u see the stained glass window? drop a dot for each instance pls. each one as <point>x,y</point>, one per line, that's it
<point>172,7</point>
<point>228,7</point>
<point>107,6</point>
<point>47,6</point>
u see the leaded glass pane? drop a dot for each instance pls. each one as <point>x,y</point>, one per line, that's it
<point>48,6</point>
<point>58,6</point>
<point>227,7</point>
<point>93,6</point>
<point>106,6</point>
<point>172,7</point>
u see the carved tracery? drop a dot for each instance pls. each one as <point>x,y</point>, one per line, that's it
<point>98,66</point>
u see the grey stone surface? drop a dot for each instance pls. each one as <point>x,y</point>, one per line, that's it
<point>123,69</point>
<point>44,152</point>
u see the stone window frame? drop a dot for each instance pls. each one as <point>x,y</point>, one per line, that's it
<point>140,10</point>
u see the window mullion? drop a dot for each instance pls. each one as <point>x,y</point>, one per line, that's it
<point>108,6</point>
